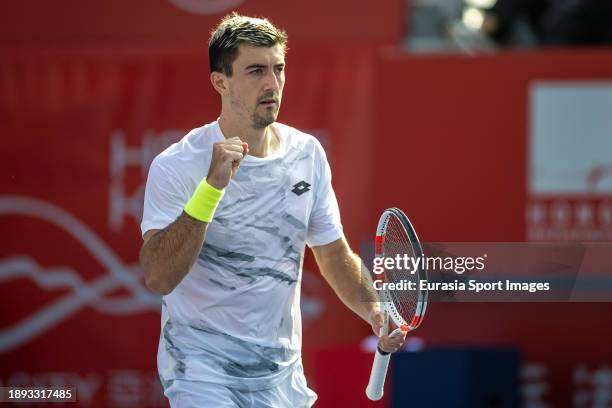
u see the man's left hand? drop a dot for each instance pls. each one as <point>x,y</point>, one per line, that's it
<point>388,344</point>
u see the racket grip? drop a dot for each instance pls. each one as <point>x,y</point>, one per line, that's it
<point>375,387</point>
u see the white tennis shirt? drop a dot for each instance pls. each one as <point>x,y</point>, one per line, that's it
<point>235,318</point>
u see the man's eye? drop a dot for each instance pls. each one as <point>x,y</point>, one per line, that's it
<point>257,71</point>
<point>280,69</point>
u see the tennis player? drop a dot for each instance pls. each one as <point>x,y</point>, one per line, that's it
<point>228,211</point>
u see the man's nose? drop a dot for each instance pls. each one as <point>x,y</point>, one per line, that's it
<point>271,82</point>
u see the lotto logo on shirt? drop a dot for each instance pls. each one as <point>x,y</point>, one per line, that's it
<point>300,188</point>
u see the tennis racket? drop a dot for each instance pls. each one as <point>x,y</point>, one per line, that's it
<point>406,308</point>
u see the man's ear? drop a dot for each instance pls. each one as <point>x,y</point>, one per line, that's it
<point>219,82</point>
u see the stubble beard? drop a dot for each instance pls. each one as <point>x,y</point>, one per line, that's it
<point>262,121</point>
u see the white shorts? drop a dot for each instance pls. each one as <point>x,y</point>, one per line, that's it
<point>291,393</point>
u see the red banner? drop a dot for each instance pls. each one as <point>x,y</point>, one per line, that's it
<point>188,22</point>
<point>458,137</point>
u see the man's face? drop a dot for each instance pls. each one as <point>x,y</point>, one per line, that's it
<point>256,86</point>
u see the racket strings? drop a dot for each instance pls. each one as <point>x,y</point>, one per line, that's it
<point>397,242</point>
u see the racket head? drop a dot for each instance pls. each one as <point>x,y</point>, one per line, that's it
<point>395,235</point>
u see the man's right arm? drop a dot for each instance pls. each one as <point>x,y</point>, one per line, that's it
<point>168,254</point>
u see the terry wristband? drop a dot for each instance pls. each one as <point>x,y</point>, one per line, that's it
<point>204,202</point>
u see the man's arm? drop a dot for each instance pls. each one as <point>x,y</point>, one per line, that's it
<point>168,254</point>
<point>343,270</point>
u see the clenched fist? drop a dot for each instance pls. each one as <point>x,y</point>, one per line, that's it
<point>225,161</point>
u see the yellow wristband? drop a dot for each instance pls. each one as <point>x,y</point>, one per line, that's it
<point>204,202</point>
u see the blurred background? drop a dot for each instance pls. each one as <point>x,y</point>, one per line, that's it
<point>483,120</point>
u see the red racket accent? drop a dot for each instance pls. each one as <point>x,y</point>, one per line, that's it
<point>415,321</point>
<point>378,244</point>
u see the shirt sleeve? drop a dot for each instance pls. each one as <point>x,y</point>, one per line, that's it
<point>324,224</point>
<point>164,198</point>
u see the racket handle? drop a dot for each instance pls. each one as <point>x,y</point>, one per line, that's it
<point>375,387</point>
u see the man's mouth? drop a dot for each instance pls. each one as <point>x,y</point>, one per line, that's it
<point>268,102</point>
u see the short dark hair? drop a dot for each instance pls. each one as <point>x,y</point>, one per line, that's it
<point>234,30</point>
